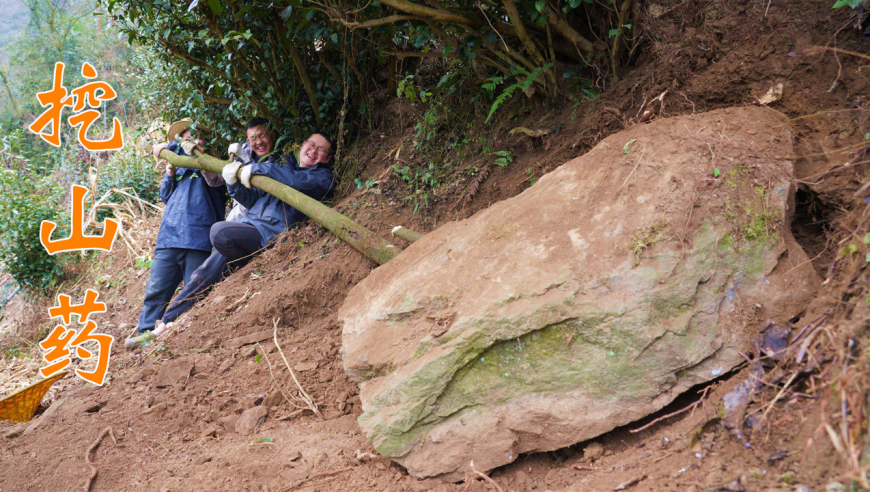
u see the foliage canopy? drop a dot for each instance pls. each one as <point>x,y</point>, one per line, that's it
<point>308,65</point>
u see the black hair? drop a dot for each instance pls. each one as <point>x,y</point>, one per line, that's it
<point>255,122</point>
<point>328,139</point>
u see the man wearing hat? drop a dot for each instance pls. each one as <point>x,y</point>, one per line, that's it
<point>192,206</point>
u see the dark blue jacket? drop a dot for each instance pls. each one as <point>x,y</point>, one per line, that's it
<point>270,215</point>
<point>192,206</point>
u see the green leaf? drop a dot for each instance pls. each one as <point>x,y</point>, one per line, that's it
<point>867,238</point>
<point>627,146</point>
<point>258,358</point>
<point>539,5</point>
<point>216,6</point>
<point>716,172</point>
<point>613,32</point>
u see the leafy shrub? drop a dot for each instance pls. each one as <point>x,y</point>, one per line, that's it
<point>127,169</point>
<point>27,200</point>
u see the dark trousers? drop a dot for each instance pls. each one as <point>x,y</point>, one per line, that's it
<point>208,274</point>
<point>236,243</point>
<point>169,268</point>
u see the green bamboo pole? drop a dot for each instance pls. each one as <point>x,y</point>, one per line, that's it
<point>406,234</point>
<point>360,238</point>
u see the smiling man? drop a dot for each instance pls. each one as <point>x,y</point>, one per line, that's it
<point>238,241</point>
<point>267,215</point>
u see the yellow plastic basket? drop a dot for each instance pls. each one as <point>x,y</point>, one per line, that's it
<point>21,405</point>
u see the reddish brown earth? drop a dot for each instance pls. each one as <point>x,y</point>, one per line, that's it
<point>175,411</point>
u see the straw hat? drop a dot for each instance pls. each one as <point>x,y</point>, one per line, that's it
<point>176,128</point>
<point>179,126</point>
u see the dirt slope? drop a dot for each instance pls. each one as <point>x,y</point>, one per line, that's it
<point>171,409</point>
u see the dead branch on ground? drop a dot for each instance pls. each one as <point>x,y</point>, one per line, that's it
<point>91,448</point>
<point>305,397</point>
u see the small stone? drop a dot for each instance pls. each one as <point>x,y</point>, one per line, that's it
<point>229,422</point>
<point>593,451</point>
<point>175,372</point>
<point>294,455</point>
<point>210,431</point>
<point>305,366</point>
<point>201,461</point>
<point>273,399</point>
<point>250,419</point>
<point>16,430</point>
<point>225,366</point>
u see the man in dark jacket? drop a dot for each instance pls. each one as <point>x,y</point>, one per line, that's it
<point>192,207</point>
<point>267,215</point>
<point>238,241</point>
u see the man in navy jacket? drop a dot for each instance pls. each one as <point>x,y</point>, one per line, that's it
<point>267,215</point>
<point>192,207</point>
<point>238,241</point>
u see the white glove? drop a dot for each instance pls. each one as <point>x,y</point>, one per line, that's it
<point>233,150</point>
<point>189,146</point>
<point>245,176</point>
<point>229,172</point>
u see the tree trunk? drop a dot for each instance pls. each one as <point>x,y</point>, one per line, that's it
<point>360,238</point>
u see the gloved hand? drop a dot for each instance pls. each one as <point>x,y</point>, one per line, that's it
<point>239,153</point>
<point>157,148</point>
<point>230,171</point>
<point>245,176</point>
<point>233,150</point>
<point>189,146</point>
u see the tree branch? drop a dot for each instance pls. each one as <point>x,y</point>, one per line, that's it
<point>426,12</point>
<point>378,22</point>
<point>558,22</point>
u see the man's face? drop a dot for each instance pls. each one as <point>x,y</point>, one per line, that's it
<point>314,150</point>
<point>260,139</point>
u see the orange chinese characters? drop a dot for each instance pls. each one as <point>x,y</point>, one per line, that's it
<point>58,343</point>
<point>91,94</point>
<point>77,240</point>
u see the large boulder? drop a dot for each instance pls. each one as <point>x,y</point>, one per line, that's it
<point>592,299</point>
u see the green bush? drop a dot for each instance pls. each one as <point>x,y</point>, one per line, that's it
<point>27,200</point>
<point>126,169</point>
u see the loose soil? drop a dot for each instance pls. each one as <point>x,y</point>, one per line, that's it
<point>175,407</point>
